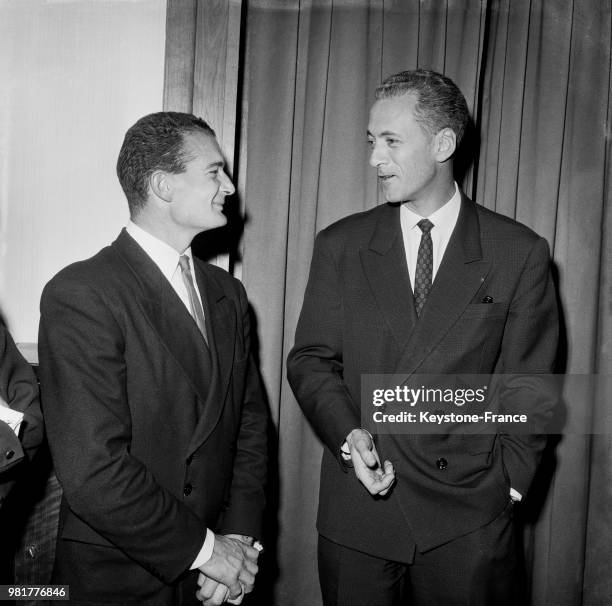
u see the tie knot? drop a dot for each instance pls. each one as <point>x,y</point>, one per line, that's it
<point>184,263</point>
<point>425,225</point>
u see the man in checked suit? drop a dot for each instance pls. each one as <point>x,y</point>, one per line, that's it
<point>155,411</point>
<point>429,283</point>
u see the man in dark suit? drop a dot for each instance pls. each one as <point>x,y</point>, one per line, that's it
<point>21,427</point>
<point>428,284</point>
<point>21,432</point>
<point>155,411</point>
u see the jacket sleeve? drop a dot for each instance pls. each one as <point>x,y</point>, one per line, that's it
<point>528,355</point>
<point>315,364</point>
<point>19,389</point>
<point>244,511</point>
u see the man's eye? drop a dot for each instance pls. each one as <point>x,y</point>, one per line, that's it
<point>391,141</point>
<point>370,142</point>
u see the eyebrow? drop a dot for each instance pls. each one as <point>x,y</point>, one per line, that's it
<point>218,164</point>
<point>386,133</point>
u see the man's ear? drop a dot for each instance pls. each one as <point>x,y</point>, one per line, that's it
<point>161,186</point>
<point>445,144</point>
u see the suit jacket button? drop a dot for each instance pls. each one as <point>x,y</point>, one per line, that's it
<point>442,463</point>
<point>487,299</point>
<point>9,454</point>
<point>187,490</point>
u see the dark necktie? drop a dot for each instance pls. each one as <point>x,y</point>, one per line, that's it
<point>195,307</point>
<point>424,266</point>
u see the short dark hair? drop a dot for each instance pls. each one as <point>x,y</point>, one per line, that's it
<point>155,142</point>
<point>440,104</point>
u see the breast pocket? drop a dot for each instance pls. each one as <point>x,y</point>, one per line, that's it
<point>485,311</point>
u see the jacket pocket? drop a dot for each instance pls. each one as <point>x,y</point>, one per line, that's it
<point>479,444</point>
<point>485,311</point>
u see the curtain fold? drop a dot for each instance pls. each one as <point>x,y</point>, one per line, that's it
<point>597,579</point>
<point>201,76</point>
<point>545,106</point>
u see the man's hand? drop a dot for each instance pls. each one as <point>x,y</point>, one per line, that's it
<point>376,478</point>
<point>229,573</point>
<point>213,592</point>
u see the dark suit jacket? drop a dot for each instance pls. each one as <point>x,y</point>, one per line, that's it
<point>151,443</point>
<point>358,317</point>
<point>19,389</point>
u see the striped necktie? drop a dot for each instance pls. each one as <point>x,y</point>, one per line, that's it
<point>195,307</point>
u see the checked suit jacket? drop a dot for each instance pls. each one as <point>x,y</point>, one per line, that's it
<point>153,439</point>
<point>358,317</point>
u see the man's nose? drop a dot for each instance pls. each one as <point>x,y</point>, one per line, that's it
<point>227,187</point>
<point>377,155</point>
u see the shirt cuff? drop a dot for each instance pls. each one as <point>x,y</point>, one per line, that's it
<point>515,495</point>
<point>206,551</point>
<point>12,418</point>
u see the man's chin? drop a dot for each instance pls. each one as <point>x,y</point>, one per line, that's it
<point>391,199</point>
<point>218,221</point>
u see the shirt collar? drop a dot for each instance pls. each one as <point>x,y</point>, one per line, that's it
<point>162,254</point>
<point>444,217</point>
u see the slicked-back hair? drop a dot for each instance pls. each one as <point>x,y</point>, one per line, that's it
<point>155,142</point>
<point>440,104</point>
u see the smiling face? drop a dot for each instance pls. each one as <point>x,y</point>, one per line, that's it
<point>198,193</point>
<point>407,158</point>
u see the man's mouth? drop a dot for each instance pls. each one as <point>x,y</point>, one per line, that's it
<point>385,178</point>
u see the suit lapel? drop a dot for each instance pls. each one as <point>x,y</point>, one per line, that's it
<point>384,264</point>
<point>220,321</point>
<point>167,315</point>
<point>459,277</point>
<point>221,330</point>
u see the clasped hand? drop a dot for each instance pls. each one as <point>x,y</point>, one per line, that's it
<point>377,478</point>
<point>230,571</point>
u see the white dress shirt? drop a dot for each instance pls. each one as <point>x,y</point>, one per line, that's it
<point>444,221</point>
<point>12,418</point>
<point>167,259</point>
